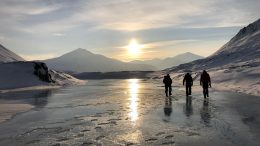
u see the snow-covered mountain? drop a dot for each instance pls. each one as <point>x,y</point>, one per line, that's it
<point>170,61</point>
<point>242,48</point>
<point>8,56</point>
<point>81,60</point>
<point>235,66</point>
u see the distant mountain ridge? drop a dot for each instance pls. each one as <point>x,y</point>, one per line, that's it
<point>81,60</point>
<point>8,56</point>
<point>170,61</point>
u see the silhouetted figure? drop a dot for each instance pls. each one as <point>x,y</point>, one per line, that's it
<point>168,85</point>
<point>205,83</point>
<point>189,82</point>
<point>168,106</point>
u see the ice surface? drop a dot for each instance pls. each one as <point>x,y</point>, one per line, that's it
<point>132,112</point>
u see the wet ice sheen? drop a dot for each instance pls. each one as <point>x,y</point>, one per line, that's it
<point>131,112</point>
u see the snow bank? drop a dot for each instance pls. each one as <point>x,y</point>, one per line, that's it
<point>22,75</point>
<point>65,79</point>
<point>242,77</point>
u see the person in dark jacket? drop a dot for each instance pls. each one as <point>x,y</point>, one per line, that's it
<point>189,82</point>
<point>168,85</point>
<point>205,83</point>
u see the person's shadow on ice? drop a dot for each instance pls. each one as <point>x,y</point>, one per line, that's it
<point>205,112</point>
<point>168,106</point>
<point>188,110</point>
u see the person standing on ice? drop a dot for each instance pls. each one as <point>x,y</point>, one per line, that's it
<point>168,85</point>
<point>189,82</point>
<point>205,83</point>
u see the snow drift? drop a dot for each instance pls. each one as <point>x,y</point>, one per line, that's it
<point>22,74</point>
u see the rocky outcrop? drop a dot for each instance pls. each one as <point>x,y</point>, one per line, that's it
<point>41,70</point>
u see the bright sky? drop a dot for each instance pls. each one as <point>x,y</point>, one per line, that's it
<point>41,29</point>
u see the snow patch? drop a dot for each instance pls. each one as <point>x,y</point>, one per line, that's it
<point>21,75</point>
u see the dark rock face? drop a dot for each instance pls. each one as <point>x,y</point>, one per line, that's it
<point>41,70</point>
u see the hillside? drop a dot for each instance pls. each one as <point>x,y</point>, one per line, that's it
<point>243,48</point>
<point>8,56</point>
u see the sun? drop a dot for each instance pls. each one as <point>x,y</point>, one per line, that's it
<point>134,48</point>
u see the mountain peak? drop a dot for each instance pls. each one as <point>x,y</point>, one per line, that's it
<point>8,56</point>
<point>189,54</point>
<point>255,25</point>
<point>239,43</point>
<point>80,51</point>
<point>251,28</point>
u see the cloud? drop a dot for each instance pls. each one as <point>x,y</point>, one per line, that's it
<point>160,44</point>
<point>157,44</point>
<point>107,23</point>
<point>37,56</point>
<point>150,49</point>
<point>127,15</point>
<point>26,7</point>
<point>139,15</point>
<point>58,34</point>
<point>2,38</point>
<point>15,14</point>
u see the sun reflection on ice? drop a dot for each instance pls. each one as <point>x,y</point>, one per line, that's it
<point>134,90</point>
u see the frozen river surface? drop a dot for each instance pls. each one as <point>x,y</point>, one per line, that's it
<point>131,112</point>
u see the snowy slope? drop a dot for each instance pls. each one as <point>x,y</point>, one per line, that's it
<point>81,60</point>
<point>170,61</point>
<point>8,56</point>
<point>244,47</point>
<point>241,79</point>
<point>21,75</point>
